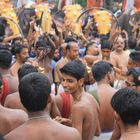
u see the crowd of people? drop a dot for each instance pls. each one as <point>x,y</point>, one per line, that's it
<point>62,85</point>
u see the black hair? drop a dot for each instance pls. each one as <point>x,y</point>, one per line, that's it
<point>75,69</point>
<point>135,56</point>
<point>17,48</point>
<point>70,39</point>
<point>132,43</point>
<point>135,72</point>
<point>42,42</point>
<point>126,102</point>
<point>34,91</point>
<point>26,69</point>
<point>5,59</point>
<point>106,44</point>
<point>101,69</point>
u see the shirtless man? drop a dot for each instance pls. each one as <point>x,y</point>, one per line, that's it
<point>34,90</point>
<point>10,119</point>
<point>10,83</point>
<point>134,60</point>
<point>21,54</point>
<point>122,55</point>
<point>126,103</point>
<point>132,78</point>
<point>103,74</point>
<point>72,53</point>
<point>13,100</point>
<point>84,111</point>
<point>45,49</point>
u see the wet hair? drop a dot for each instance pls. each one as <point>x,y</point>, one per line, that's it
<point>101,69</point>
<point>5,59</point>
<point>75,69</point>
<point>126,102</point>
<point>135,56</point>
<point>34,91</point>
<point>17,48</point>
<point>26,69</point>
<point>135,72</point>
<point>106,44</point>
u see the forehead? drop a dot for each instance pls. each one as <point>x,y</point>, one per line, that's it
<point>106,50</point>
<point>120,39</point>
<point>67,77</point>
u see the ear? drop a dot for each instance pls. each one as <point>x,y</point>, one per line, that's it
<point>117,117</point>
<point>81,82</point>
<point>109,76</point>
<point>50,99</point>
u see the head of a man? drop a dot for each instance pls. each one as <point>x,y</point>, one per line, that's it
<point>134,60</point>
<point>26,69</point>
<point>5,59</point>
<point>42,48</point>
<point>73,76</point>
<point>132,78</point>
<point>72,50</point>
<point>34,91</point>
<point>119,44</point>
<point>126,103</point>
<point>92,48</point>
<point>103,71</point>
<point>106,47</point>
<point>20,52</point>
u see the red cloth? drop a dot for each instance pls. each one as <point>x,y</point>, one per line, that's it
<point>123,5</point>
<point>5,90</point>
<point>65,112</point>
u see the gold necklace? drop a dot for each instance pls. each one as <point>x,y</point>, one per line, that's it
<point>77,98</point>
<point>39,117</point>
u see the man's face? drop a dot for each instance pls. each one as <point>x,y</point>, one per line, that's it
<point>106,53</point>
<point>23,56</point>
<point>70,84</point>
<point>119,45</point>
<point>93,50</point>
<point>74,51</point>
<point>41,52</point>
<point>112,78</point>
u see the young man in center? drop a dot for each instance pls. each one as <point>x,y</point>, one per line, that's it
<point>84,110</point>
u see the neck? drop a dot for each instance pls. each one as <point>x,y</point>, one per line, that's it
<point>77,95</point>
<point>103,82</point>
<point>19,62</point>
<point>37,114</point>
<point>119,51</point>
<point>130,129</point>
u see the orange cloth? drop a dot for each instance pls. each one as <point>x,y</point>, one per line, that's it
<point>94,3</point>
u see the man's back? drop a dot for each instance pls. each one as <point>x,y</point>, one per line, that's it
<point>86,110</point>
<point>105,94</point>
<point>43,128</point>
<point>11,119</point>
